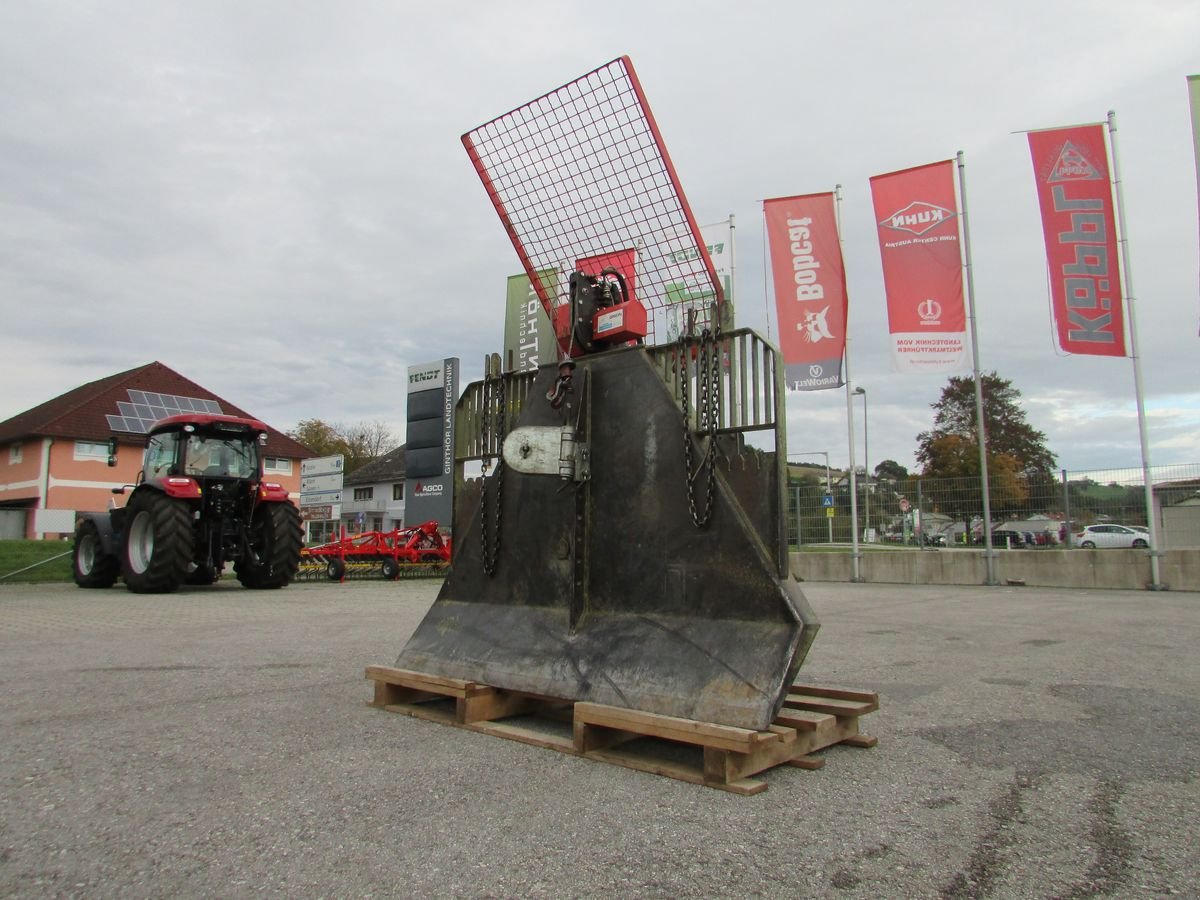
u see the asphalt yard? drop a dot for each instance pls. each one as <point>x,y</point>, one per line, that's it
<point>217,742</point>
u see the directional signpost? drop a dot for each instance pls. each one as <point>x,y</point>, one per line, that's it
<point>321,488</point>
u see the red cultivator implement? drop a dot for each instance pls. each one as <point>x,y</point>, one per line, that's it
<point>418,550</point>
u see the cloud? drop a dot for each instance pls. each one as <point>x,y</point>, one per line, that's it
<point>272,198</point>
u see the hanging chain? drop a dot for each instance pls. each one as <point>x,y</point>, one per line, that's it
<point>708,415</point>
<point>493,407</point>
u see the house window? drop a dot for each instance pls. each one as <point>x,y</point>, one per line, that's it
<point>398,490</point>
<point>14,453</point>
<point>366,493</point>
<point>90,450</point>
<point>277,465</point>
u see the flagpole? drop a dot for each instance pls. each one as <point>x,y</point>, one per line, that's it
<point>1155,553</point>
<point>766,268</point>
<point>855,553</point>
<point>989,555</point>
<point>732,269</point>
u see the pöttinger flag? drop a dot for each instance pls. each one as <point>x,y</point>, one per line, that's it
<point>916,216</point>
<point>1070,166</point>
<point>810,289</point>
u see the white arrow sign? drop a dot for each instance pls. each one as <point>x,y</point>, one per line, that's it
<point>323,465</point>
<point>310,483</point>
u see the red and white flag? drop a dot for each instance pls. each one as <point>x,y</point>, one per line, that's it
<point>1070,166</point>
<point>916,215</point>
<point>810,289</point>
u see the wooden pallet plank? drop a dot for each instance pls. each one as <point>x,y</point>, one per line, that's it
<point>807,762</point>
<point>803,719</point>
<point>860,740</point>
<point>726,766</point>
<point>831,705</point>
<point>836,693</point>
<point>494,703</point>
<point>514,732</point>
<point>435,683</point>
<point>687,731</point>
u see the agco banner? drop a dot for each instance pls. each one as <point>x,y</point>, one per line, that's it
<point>1070,166</point>
<point>810,289</point>
<point>916,215</point>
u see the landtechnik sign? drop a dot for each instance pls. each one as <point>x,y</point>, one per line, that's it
<point>429,448</point>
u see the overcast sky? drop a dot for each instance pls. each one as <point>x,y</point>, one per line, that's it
<point>272,198</point>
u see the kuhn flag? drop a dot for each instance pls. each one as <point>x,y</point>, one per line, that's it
<point>810,289</point>
<point>916,216</point>
<point>1070,166</point>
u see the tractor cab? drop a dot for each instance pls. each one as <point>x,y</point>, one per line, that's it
<point>199,447</point>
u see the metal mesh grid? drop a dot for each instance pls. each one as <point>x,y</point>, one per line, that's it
<point>582,171</point>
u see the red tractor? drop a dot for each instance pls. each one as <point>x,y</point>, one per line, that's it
<point>199,503</point>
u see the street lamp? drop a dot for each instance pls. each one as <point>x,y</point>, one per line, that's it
<point>828,488</point>
<point>866,465</point>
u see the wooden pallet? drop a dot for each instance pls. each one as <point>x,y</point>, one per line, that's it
<point>718,756</point>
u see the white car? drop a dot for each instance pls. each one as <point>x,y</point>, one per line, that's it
<point>1111,536</point>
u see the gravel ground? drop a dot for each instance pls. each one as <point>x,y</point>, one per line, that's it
<point>216,742</point>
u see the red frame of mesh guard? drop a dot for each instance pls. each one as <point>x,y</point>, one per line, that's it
<point>583,171</point>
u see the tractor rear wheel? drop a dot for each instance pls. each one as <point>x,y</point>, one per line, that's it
<point>273,556</point>
<point>157,549</point>
<point>93,567</point>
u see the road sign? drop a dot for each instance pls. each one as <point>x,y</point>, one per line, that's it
<point>321,482</point>
<point>312,483</point>
<point>319,498</point>
<point>904,505</point>
<point>323,465</point>
<point>829,512</point>
<point>827,501</point>
<point>325,513</point>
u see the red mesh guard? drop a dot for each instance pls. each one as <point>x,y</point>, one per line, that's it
<point>581,172</point>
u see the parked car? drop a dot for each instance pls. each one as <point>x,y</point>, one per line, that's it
<point>1007,537</point>
<point>1111,536</point>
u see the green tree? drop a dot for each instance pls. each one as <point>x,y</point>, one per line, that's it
<point>890,470</point>
<point>1008,434</point>
<point>360,443</point>
<point>319,437</point>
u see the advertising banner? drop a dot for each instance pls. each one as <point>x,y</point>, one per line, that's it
<point>1070,166</point>
<point>810,289</point>
<point>429,444</point>
<point>916,216</point>
<point>695,298</point>
<point>528,338</point>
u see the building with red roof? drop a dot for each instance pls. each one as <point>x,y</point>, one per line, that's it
<point>54,457</point>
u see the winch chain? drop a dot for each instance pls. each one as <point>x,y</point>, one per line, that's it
<point>493,406</point>
<point>708,414</point>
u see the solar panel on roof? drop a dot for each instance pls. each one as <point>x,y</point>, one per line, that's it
<point>145,408</point>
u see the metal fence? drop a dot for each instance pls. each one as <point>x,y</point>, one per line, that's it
<point>1027,511</point>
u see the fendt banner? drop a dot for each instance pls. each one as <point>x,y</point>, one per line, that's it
<point>810,289</point>
<point>1070,166</point>
<point>916,215</point>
